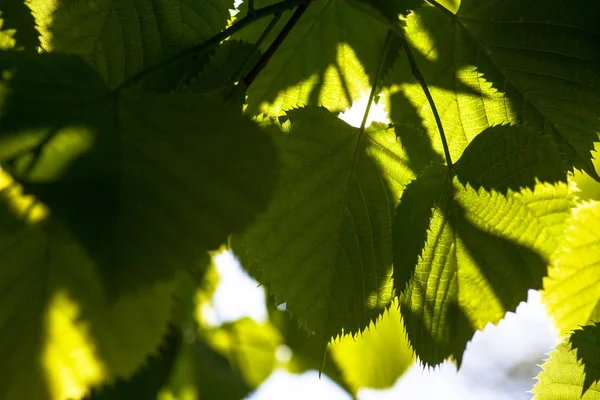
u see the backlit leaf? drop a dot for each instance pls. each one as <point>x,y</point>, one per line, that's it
<point>327,60</point>
<point>571,371</point>
<point>493,62</point>
<point>477,251</point>
<point>378,357</point>
<point>117,47</point>
<point>572,289</point>
<point>323,246</point>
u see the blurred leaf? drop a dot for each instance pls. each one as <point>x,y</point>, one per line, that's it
<point>149,379</point>
<point>169,192</point>
<point>56,309</point>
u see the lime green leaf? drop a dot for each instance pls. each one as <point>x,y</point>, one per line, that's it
<point>70,336</point>
<point>7,40</point>
<point>378,357</point>
<point>476,252</point>
<point>485,75</point>
<point>572,289</point>
<point>249,346</point>
<point>326,59</point>
<point>571,371</point>
<point>323,246</point>
<point>117,47</point>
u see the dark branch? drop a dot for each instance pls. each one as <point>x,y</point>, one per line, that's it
<point>264,60</point>
<point>218,38</point>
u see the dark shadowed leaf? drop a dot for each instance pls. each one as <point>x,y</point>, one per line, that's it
<point>323,246</point>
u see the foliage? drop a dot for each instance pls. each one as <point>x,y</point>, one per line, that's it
<point>138,137</point>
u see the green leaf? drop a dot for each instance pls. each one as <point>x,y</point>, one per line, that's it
<point>572,289</point>
<point>169,192</point>
<point>327,59</point>
<point>118,47</point>
<point>70,335</point>
<point>498,62</point>
<point>249,346</point>
<point>232,59</point>
<point>323,246</point>
<point>378,357</point>
<point>571,371</point>
<point>476,251</point>
<point>506,158</point>
<point>7,40</point>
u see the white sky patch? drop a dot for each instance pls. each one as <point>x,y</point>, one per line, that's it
<point>354,115</point>
<point>499,363</point>
<point>283,385</point>
<point>237,295</point>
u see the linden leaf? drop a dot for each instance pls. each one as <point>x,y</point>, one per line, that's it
<point>323,245</point>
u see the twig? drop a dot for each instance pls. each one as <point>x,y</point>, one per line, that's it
<point>264,60</point>
<point>216,39</point>
<point>261,39</point>
<point>419,77</point>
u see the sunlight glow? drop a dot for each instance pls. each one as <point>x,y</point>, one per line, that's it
<point>238,295</point>
<point>69,357</point>
<point>354,115</point>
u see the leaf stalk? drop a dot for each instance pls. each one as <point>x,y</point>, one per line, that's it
<point>419,77</point>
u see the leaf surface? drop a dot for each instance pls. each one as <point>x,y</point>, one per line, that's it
<point>501,61</point>
<point>323,246</point>
<point>476,251</point>
<point>572,289</point>
<point>378,357</point>
<point>121,38</point>
<point>571,371</point>
<point>326,60</point>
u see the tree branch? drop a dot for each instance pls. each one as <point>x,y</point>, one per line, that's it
<point>216,39</point>
<point>264,60</point>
